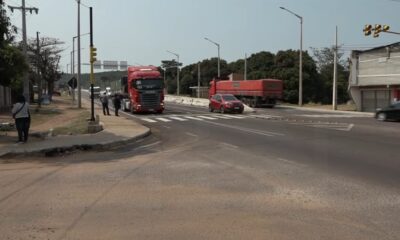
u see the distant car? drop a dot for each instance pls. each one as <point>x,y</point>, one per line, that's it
<point>108,91</point>
<point>392,112</point>
<point>96,91</point>
<point>225,103</point>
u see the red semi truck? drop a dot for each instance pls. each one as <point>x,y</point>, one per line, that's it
<point>255,93</point>
<point>143,90</point>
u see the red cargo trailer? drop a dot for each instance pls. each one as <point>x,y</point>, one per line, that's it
<point>255,93</point>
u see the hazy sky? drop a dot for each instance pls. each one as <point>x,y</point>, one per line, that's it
<point>142,31</point>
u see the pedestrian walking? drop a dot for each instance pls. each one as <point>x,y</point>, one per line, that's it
<point>104,103</point>
<point>22,118</point>
<point>117,103</point>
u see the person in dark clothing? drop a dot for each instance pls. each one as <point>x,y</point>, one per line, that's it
<point>117,103</point>
<point>104,103</point>
<point>22,118</point>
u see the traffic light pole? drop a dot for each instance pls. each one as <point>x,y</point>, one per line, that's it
<point>91,67</point>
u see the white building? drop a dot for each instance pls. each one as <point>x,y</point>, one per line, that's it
<point>375,77</point>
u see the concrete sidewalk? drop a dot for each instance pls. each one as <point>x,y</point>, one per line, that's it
<point>366,114</point>
<point>117,131</point>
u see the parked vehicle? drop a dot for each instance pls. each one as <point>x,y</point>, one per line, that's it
<point>143,90</point>
<point>96,91</point>
<point>108,91</point>
<point>225,103</point>
<point>255,93</point>
<point>391,112</point>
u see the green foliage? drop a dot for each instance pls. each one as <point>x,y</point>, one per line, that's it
<point>12,67</point>
<point>12,62</point>
<point>325,62</point>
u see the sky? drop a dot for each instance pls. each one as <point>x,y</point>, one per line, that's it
<point>141,32</point>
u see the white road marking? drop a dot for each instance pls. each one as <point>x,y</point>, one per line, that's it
<point>163,119</point>
<point>255,131</point>
<point>178,118</point>
<point>229,145</point>
<point>350,127</point>
<point>332,126</point>
<point>222,116</point>
<point>205,117</point>
<point>148,145</point>
<point>148,120</point>
<point>191,134</point>
<point>194,118</point>
<point>328,115</point>
<point>166,127</point>
<point>238,117</point>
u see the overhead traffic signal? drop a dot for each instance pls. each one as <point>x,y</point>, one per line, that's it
<point>367,29</point>
<point>386,28</point>
<point>93,54</point>
<point>378,28</point>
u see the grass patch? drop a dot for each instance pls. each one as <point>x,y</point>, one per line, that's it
<point>78,126</point>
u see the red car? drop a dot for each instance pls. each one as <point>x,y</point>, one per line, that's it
<point>225,103</point>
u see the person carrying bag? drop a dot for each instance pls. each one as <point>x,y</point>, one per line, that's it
<point>22,118</point>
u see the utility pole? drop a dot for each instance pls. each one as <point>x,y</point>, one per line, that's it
<point>92,60</point>
<point>334,93</point>
<point>79,55</point>
<point>245,66</point>
<point>198,80</point>
<point>177,74</point>
<point>38,70</point>
<point>24,43</point>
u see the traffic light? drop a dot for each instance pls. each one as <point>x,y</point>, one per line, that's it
<point>386,28</point>
<point>93,54</point>
<point>367,29</point>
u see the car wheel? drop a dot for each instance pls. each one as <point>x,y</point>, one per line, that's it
<point>222,110</point>
<point>381,116</point>
<point>210,109</point>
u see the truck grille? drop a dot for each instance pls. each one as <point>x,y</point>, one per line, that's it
<point>150,100</point>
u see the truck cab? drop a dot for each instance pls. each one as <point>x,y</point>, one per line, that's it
<point>144,90</point>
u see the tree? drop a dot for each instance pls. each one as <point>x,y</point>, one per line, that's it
<point>287,68</point>
<point>12,62</point>
<point>45,61</point>
<point>325,62</point>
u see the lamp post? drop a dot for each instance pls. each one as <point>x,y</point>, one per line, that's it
<point>177,69</point>
<point>219,59</point>
<point>301,56</point>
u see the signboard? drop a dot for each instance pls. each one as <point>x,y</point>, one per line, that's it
<point>97,64</point>
<point>123,65</point>
<point>113,65</point>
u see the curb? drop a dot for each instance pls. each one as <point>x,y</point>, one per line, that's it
<point>48,152</point>
<point>327,110</point>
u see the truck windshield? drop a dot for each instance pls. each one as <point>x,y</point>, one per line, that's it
<point>148,84</point>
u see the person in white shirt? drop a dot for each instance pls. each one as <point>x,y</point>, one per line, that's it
<point>22,118</point>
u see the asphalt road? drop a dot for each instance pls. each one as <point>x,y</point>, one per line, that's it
<point>274,174</point>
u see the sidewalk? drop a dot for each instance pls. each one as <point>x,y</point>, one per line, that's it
<point>117,131</point>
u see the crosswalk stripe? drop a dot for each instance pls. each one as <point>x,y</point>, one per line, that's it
<point>221,116</point>
<point>178,118</point>
<point>238,117</point>
<point>148,120</point>
<point>163,119</point>
<point>194,118</point>
<point>205,117</point>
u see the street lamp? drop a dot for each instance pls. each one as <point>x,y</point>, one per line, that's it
<point>301,56</point>
<point>177,69</point>
<point>218,46</point>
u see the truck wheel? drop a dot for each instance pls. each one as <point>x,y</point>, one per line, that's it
<point>222,110</point>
